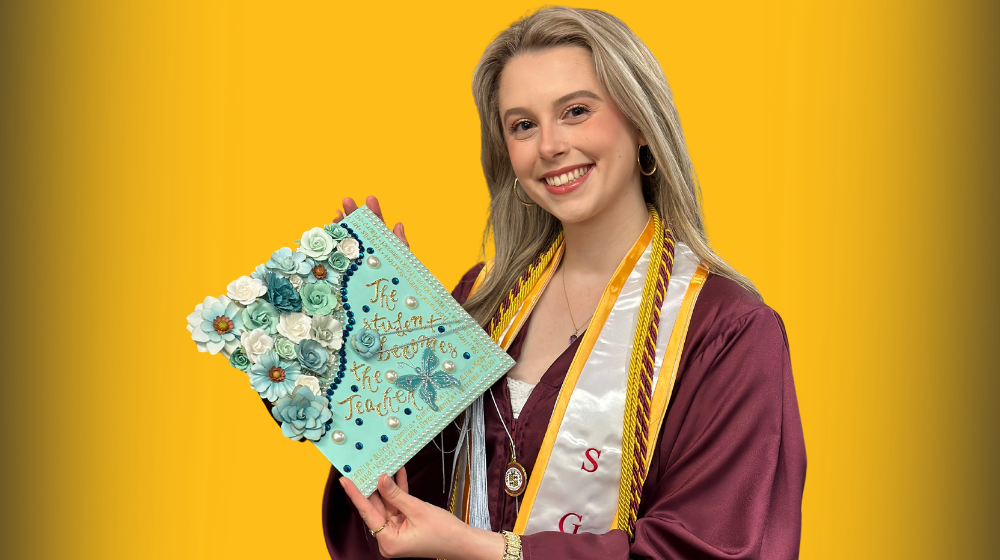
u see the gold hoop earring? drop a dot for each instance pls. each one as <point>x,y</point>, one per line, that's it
<point>639,161</point>
<point>518,197</point>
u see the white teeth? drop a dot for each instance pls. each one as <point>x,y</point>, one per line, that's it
<point>567,177</point>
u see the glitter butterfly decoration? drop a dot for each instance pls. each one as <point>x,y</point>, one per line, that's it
<point>427,381</point>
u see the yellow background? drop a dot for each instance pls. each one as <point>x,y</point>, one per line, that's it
<point>156,151</point>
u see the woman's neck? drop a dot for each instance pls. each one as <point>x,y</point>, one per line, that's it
<point>598,244</point>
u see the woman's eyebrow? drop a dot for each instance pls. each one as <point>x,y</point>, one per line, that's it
<point>557,102</point>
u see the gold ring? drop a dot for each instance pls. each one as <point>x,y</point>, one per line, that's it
<point>375,532</point>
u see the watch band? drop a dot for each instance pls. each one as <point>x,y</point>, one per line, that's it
<point>512,546</point>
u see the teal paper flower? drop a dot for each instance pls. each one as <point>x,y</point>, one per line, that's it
<point>302,414</point>
<point>260,272</point>
<point>312,355</point>
<point>336,231</point>
<point>285,262</point>
<point>261,315</point>
<point>317,299</point>
<point>317,243</point>
<point>284,347</point>
<point>367,342</point>
<point>239,360</point>
<point>216,325</point>
<point>272,377</point>
<point>322,272</point>
<point>339,262</point>
<point>282,295</point>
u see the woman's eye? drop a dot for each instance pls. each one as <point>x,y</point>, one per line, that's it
<point>577,111</point>
<point>521,127</point>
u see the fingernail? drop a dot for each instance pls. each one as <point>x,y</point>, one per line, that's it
<point>388,481</point>
<point>401,230</point>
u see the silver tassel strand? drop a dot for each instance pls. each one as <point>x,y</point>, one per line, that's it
<point>479,513</point>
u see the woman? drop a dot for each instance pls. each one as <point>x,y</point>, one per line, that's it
<point>605,292</point>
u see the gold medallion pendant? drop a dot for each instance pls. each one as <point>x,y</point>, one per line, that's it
<point>514,479</point>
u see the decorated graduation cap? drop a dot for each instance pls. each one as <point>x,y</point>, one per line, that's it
<point>355,344</point>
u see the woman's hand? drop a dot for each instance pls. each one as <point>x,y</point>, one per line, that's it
<point>372,202</point>
<point>415,528</point>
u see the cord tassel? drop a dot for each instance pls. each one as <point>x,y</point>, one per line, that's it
<point>479,512</point>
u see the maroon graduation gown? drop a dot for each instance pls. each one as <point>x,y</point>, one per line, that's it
<point>726,477</point>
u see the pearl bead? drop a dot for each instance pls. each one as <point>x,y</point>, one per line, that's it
<point>448,366</point>
<point>410,302</point>
<point>373,262</point>
<point>391,376</point>
<point>338,437</point>
<point>392,422</point>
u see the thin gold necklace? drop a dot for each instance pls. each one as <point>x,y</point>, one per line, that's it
<point>576,331</point>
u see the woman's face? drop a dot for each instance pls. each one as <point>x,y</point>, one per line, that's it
<point>573,151</point>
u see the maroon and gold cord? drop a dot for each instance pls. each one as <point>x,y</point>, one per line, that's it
<point>639,391</point>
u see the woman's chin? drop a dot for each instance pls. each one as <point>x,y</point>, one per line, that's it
<point>574,211</point>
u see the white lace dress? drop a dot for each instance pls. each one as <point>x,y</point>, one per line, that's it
<point>519,393</point>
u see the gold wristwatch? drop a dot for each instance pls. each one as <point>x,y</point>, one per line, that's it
<point>512,546</point>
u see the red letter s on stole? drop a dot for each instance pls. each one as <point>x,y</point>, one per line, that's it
<point>593,460</point>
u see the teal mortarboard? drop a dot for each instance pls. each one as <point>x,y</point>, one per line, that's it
<point>358,347</point>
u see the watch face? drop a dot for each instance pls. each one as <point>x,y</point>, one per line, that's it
<point>514,479</point>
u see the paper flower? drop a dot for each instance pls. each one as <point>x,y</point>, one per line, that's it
<point>302,415</point>
<point>336,231</point>
<point>350,247</point>
<point>339,262</point>
<point>318,299</point>
<point>317,243</point>
<point>322,273</point>
<point>255,343</point>
<point>284,348</point>
<point>310,383</point>
<point>296,281</point>
<point>245,289</point>
<point>215,324</point>
<point>272,377</point>
<point>261,315</point>
<point>295,326</point>
<point>327,331</point>
<point>366,342</point>
<point>282,295</point>
<point>239,360</point>
<point>284,261</point>
<point>312,356</point>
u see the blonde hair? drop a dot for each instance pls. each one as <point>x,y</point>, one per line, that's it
<point>637,85</point>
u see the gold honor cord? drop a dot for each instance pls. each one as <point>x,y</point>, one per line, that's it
<point>640,377</point>
<point>512,303</point>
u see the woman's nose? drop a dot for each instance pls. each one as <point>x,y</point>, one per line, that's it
<point>552,142</point>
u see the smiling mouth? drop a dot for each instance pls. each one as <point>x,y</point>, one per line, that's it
<point>559,180</point>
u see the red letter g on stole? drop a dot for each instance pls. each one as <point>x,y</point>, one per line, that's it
<point>576,526</point>
<point>593,460</point>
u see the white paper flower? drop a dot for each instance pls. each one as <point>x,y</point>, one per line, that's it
<point>296,281</point>
<point>215,325</point>
<point>255,343</point>
<point>349,247</point>
<point>317,243</point>
<point>295,326</point>
<point>246,290</point>
<point>309,382</point>
<point>327,331</point>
